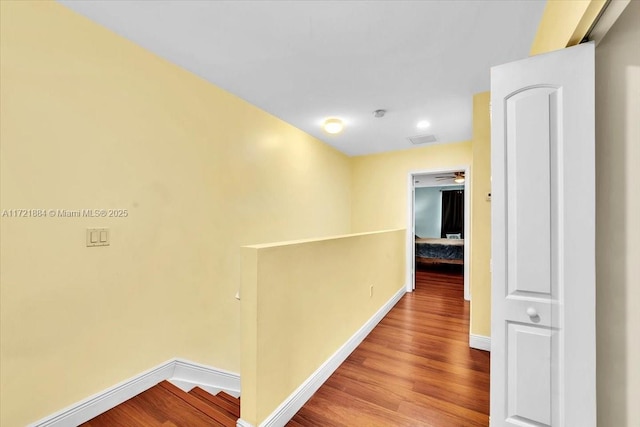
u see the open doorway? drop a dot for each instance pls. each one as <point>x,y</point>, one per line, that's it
<point>438,232</point>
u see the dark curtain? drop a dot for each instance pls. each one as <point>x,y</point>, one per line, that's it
<point>452,213</point>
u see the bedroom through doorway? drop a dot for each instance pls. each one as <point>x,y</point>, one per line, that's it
<point>440,222</point>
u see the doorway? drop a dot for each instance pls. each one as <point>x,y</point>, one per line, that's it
<point>426,185</point>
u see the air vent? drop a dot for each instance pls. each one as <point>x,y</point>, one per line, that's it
<point>422,139</point>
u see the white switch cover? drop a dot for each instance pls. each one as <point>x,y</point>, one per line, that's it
<point>97,237</point>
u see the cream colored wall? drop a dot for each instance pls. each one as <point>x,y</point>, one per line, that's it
<point>481,218</point>
<point>618,221</point>
<point>379,189</point>
<point>303,301</point>
<point>90,120</point>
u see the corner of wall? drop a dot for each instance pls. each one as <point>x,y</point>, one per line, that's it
<point>480,280</point>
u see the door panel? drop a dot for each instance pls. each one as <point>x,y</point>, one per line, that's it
<point>528,147</point>
<point>543,241</point>
<point>529,396</point>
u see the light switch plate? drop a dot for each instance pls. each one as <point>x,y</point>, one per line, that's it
<point>98,237</point>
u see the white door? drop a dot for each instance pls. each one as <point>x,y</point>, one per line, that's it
<point>543,241</point>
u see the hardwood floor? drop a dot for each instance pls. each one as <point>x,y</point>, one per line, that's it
<point>414,369</point>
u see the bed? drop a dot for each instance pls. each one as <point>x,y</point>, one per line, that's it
<point>439,251</point>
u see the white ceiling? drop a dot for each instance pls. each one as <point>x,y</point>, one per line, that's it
<point>304,61</point>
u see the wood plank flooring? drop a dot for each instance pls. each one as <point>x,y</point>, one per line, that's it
<point>414,369</point>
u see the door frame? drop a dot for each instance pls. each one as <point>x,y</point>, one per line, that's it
<point>410,265</point>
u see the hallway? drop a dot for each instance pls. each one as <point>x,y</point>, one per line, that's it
<point>414,369</point>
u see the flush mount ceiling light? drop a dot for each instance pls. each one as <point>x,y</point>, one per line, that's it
<point>333,125</point>
<point>423,124</point>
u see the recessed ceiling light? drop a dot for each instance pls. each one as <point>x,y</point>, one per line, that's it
<point>333,125</point>
<point>423,124</point>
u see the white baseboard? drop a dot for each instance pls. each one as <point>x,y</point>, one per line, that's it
<point>299,397</point>
<point>178,371</point>
<point>188,375</point>
<point>480,342</point>
<point>243,423</point>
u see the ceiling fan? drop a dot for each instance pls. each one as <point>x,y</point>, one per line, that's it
<point>457,177</point>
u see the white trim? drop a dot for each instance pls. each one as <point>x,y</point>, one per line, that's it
<point>411,233</point>
<point>480,342</point>
<point>178,370</point>
<point>467,233</point>
<point>292,404</point>
<point>188,375</point>
<point>411,227</point>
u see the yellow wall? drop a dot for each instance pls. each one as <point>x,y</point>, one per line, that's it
<point>481,218</point>
<point>618,221</point>
<point>565,23</point>
<point>379,189</point>
<point>90,120</point>
<point>302,301</point>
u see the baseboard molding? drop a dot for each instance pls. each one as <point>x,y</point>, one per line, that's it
<point>188,375</point>
<point>299,397</point>
<point>178,371</point>
<point>243,423</point>
<point>480,342</point>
